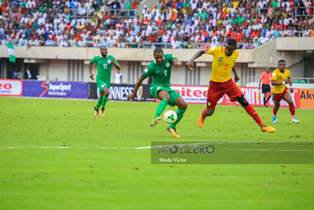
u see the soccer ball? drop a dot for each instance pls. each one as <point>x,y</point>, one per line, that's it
<point>170,117</point>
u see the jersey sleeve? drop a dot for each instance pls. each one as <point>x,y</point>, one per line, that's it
<point>171,58</point>
<point>211,51</point>
<point>274,76</point>
<point>262,76</point>
<point>114,59</point>
<point>94,59</point>
<point>288,72</point>
<point>148,71</point>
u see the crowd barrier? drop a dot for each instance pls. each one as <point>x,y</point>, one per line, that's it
<point>303,98</point>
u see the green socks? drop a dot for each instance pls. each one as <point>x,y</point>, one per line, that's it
<point>102,102</point>
<point>180,113</point>
<point>161,107</point>
<point>98,103</point>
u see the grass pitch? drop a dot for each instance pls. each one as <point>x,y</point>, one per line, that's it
<point>55,155</point>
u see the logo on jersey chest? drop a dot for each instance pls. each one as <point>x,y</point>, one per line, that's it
<point>220,59</point>
<point>280,77</point>
<point>167,65</point>
<point>109,61</point>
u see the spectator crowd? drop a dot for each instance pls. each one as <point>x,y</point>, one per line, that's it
<point>173,24</point>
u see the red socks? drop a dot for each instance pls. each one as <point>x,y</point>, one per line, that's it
<point>204,113</point>
<point>275,111</point>
<point>251,111</point>
<point>292,110</point>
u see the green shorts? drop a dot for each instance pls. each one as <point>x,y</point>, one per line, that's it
<point>101,85</point>
<point>172,94</point>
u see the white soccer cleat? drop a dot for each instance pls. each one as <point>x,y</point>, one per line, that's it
<point>294,120</point>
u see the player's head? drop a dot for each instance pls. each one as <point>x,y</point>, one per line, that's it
<point>267,69</point>
<point>281,65</point>
<point>159,55</point>
<point>104,51</point>
<point>230,47</point>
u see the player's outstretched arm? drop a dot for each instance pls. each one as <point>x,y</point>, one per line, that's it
<point>116,64</point>
<point>90,71</point>
<point>291,86</point>
<point>177,63</point>
<point>236,77</point>
<point>137,85</point>
<point>190,63</point>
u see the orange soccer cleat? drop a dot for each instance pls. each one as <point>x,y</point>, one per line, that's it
<point>201,121</point>
<point>268,129</point>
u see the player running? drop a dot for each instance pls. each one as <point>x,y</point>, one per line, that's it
<point>279,79</point>
<point>160,70</point>
<point>221,82</point>
<point>104,63</point>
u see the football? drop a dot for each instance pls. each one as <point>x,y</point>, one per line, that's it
<point>170,116</point>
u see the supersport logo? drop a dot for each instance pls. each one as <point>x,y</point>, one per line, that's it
<point>44,85</point>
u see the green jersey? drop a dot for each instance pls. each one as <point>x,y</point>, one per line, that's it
<point>103,68</point>
<point>161,73</point>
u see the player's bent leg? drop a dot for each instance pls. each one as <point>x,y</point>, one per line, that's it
<point>96,108</point>
<point>251,111</point>
<point>287,97</point>
<point>105,93</point>
<point>165,98</point>
<point>205,113</point>
<point>275,110</point>
<point>182,106</point>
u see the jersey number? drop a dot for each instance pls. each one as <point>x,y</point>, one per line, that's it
<point>165,72</point>
<point>105,66</point>
<point>226,66</point>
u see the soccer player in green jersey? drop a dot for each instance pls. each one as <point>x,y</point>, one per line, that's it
<point>104,63</point>
<point>160,70</point>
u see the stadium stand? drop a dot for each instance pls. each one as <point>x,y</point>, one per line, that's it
<point>173,24</point>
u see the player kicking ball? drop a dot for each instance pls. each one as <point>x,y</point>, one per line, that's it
<point>160,70</point>
<point>281,77</point>
<point>221,82</point>
<point>104,63</point>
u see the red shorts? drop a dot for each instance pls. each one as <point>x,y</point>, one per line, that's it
<point>216,90</point>
<point>279,96</point>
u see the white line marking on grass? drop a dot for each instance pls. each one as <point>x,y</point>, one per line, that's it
<point>35,147</point>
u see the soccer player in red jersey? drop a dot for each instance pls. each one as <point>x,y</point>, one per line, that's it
<point>221,82</point>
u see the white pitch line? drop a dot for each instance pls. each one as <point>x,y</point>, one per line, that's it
<point>108,148</point>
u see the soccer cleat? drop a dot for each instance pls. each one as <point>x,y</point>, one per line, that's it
<point>155,121</point>
<point>265,106</point>
<point>268,129</point>
<point>294,120</point>
<point>96,112</point>
<point>102,112</point>
<point>275,119</point>
<point>201,121</point>
<point>173,131</point>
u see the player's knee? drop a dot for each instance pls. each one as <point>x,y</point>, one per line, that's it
<point>242,101</point>
<point>167,98</point>
<point>184,106</point>
<point>106,93</point>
